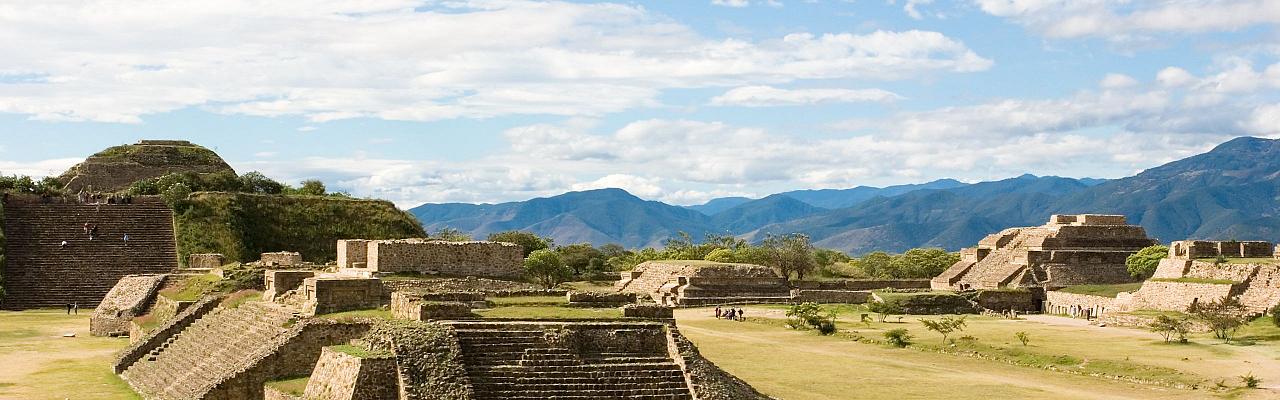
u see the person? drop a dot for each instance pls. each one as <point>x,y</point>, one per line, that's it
<point>717,312</point>
<point>75,308</point>
<point>740,317</point>
<point>126,239</point>
<point>86,228</point>
<point>64,243</point>
<point>68,308</point>
<point>93,231</point>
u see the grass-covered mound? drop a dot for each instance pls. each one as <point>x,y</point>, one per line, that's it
<point>241,226</point>
<point>119,166</point>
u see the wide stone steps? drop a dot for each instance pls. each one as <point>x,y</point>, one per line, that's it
<point>515,362</point>
<point>40,272</point>
<point>214,347</point>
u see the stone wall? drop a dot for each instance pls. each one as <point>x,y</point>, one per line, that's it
<point>600,299</point>
<point>206,260</point>
<point>294,353</point>
<point>163,333</point>
<point>1192,249</point>
<point>1177,296</point>
<point>127,299</point>
<point>337,294</point>
<point>281,258</point>
<point>342,376</point>
<point>424,306</point>
<point>863,284</point>
<point>164,308</point>
<point>708,381</point>
<point>1077,305</point>
<point>479,258</point>
<point>353,253</point>
<point>277,282</point>
<point>491,287</point>
<point>650,311</point>
<point>832,296</point>
<point>270,393</point>
<point>428,359</point>
<point>1006,300</point>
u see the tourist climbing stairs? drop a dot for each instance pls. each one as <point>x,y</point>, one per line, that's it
<point>516,361</point>
<point>213,348</point>
<point>41,272</point>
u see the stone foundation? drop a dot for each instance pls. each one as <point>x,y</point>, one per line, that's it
<point>1007,300</point>
<point>833,296</point>
<point>1177,296</point>
<point>700,283</point>
<point>281,258</point>
<point>647,311</point>
<point>326,295</point>
<point>600,299</point>
<point>863,284</point>
<point>206,261</point>
<point>1078,305</point>
<point>278,282</point>
<point>431,306</point>
<point>342,376</point>
<point>491,259</point>
<point>129,298</point>
<point>353,253</point>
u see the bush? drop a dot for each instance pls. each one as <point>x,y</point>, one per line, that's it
<point>811,316</point>
<point>1022,337</point>
<point>1170,327</point>
<point>898,337</point>
<point>945,325</point>
<point>1275,312</point>
<point>1224,317</point>
<point>1250,381</point>
<point>545,267</point>
<point>885,308</point>
<point>1143,263</point>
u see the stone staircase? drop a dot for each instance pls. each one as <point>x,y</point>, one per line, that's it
<point>517,361</point>
<point>212,349</point>
<point>39,272</point>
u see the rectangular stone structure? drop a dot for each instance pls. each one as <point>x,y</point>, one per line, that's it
<point>476,258</point>
<point>206,260</point>
<point>353,253</point>
<point>277,282</point>
<point>337,294</point>
<point>1193,249</point>
<point>341,376</point>
<point>281,258</point>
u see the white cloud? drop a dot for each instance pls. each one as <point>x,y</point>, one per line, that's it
<point>910,8</point>
<point>39,169</point>
<point>1117,81</point>
<point>731,3</point>
<point>1123,19</point>
<point>405,60</point>
<point>1174,77</point>
<point>766,96</point>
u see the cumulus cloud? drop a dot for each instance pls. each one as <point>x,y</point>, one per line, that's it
<point>911,8</point>
<point>766,96</point>
<point>1121,19</point>
<point>731,3</point>
<point>407,60</point>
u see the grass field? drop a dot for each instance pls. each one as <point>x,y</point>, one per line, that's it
<point>991,350</point>
<point>38,363</point>
<point>1103,290</point>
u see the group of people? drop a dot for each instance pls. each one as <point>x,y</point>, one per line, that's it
<point>99,198</point>
<point>733,314</point>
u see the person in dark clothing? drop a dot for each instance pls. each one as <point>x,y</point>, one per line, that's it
<point>740,317</point>
<point>93,231</point>
<point>68,308</point>
<point>717,312</point>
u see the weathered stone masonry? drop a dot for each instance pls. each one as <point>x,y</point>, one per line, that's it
<point>478,258</point>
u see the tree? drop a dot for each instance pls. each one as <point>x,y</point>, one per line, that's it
<point>898,337</point>
<point>789,254</point>
<point>1224,317</point>
<point>578,256</point>
<point>256,182</point>
<point>1143,263</point>
<point>311,187</point>
<point>450,235</point>
<point>545,267</point>
<point>884,308</point>
<point>1275,316</point>
<point>811,316</point>
<point>1170,327</point>
<point>527,240</point>
<point>874,264</point>
<point>944,326</point>
<point>176,195</point>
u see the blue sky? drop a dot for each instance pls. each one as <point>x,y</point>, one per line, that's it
<point>679,101</point>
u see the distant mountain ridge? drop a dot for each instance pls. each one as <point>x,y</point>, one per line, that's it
<point>1228,192</point>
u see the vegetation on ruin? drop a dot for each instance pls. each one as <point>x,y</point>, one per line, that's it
<point>192,288</point>
<point>1103,290</point>
<point>293,386</point>
<point>1143,263</point>
<point>242,226</point>
<point>360,351</point>
<point>377,313</point>
<point>240,297</point>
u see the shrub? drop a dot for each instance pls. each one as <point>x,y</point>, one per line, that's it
<point>944,325</point>
<point>811,316</point>
<point>1250,381</point>
<point>1022,337</point>
<point>885,308</point>
<point>1224,317</point>
<point>898,337</point>
<point>1143,263</point>
<point>1170,327</point>
<point>1275,312</point>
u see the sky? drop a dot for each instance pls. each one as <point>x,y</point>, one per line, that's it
<point>680,101</point>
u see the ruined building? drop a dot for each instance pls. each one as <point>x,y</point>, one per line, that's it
<point>699,283</point>
<point>1069,250</point>
<point>432,257</point>
<point>118,167</point>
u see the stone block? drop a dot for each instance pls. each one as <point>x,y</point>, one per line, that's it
<point>600,299</point>
<point>1256,249</point>
<point>277,282</point>
<point>1101,219</point>
<point>326,295</point>
<point>341,376</point>
<point>206,261</point>
<point>281,258</point>
<point>353,253</point>
<point>477,258</point>
<point>1006,300</point>
<point>647,311</point>
<point>428,306</point>
<point>832,296</point>
<point>1060,219</point>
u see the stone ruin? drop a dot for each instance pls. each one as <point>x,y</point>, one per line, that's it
<point>433,257</point>
<point>211,350</point>
<point>116,168</point>
<point>699,283</point>
<point>1069,250</point>
<point>206,261</point>
<point>1190,275</point>
<point>280,259</point>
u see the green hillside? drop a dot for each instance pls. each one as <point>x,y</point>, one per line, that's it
<point>241,226</point>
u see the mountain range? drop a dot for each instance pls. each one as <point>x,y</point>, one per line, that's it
<point>1229,192</point>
